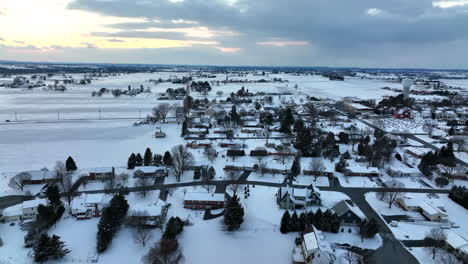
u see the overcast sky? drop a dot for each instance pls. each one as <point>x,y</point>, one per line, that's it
<point>357,33</point>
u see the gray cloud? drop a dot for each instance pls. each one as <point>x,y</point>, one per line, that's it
<point>89,45</point>
<point>146,34</point>
<point>340,32</point>
<point>116,40</point>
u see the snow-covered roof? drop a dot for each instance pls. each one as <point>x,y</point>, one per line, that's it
<point>148,169</point>
<point>456,241</point>
<point>345,206</point>
<point>14,210</point>
<point>201,196</point>
<point>34,203</point>
<point>101,170</point>
<point>40,175</point>
<point>362,169</point>
<point>359,106</point>
<point>95,198</point>
<point>154,209</point>
<point>310,242</point>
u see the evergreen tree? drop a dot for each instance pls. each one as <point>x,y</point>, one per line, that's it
<point>294,226</point>
<point>211,173</point>
<point>334,223</point>
<point>303,141</point>
<point>451,131</point>
<point>234,115</point>
<point>233,213</point>
<point>53,195</point>
<point>167,159</point>
<point>157,159</point>
<point>70,164</point>
<point>285,222</point>
<point>302,222</point>
<point>131,161</point>
<point>372,228</point>
<point>296,167</point>
<point>184,128</point>
<point>341,165</point>
<point>173,227</point>
<point>138,160</point>
<point>47,247</point>
<point>318,219</point>
<point>110,222</point>
<point>286,121</point>
<point>148,157</point>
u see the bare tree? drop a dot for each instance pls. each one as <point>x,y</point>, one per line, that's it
<point>112,185</point>
<point>317,167</point>
<point>262,168</point>
<point>428,127</point>
<point>210,153</point>
<point>391,192</point>
<point>141,234</point>
<point>351,257</point>
<point>460,142</point>
<point>60,170</point>
<point>167,251</point>
<point>161,111</point>
<point>123,178</point>
<point>234,177</point>
<point>143,184</point>
<point>181,159</point>
<point>435,238</point>
<point>206,184</point>
<point>18,181</point>
<point>448,171</point>
<point>353,135</point>
<point>66,185</point>
<point>447,258</point>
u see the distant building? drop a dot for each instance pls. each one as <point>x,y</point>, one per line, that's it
<point>150,172</point>
<point>202,201</point>
<point>102,174</point>
<point>402,114</point>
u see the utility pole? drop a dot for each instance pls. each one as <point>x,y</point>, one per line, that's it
<point>16,116</point>
<point>58,115</point>
<point>99,111</point>
<point>139,114</point>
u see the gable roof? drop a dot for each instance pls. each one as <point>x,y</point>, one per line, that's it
<point>348,206</point>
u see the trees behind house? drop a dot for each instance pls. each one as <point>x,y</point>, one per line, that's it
<point>110,222</point>
<point>148,157</point>
<point>167,159</point>
<point>70,164</point>
<point>233,213</point>
<point>181,159</point>
<point>459,194</point>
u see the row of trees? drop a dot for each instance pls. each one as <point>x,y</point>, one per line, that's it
<point>459,194</point>
<point>327,221</point>
<point>444,157</point>
<point>149,159</point>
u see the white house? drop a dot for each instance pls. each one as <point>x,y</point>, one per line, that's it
<point>88,205</point>
<point>25,210</point>
<point>314,249</point>
<point>153,214</point>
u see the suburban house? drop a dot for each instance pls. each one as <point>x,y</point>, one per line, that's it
<point>238,166</point>
<point>150,172</point>
<point>39,177</point>
<point>201,200</point>
<point>357,108</point>
<point>87,206</point>
<point>102,174</point>
<point>328,167</point>
<point>277,168</point>
<point>295,198</point>
<point>456,243</point>
<point>348,213</point>
<point>199,144</point>
<point>400,171</point>
<point>152,215</point>
<point>313,248</point>
<point>358,170</point>
<point>197,131</point>
<point>23,211</point>
<point>429,211</point>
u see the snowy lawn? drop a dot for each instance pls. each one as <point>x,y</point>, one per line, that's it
<point>353,238</point>
<point>356,181</point>
<point>275,178</point>
<point>247,245</point>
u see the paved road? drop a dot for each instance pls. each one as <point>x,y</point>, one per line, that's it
<point>391,252</point>
<point>7,201</point>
